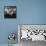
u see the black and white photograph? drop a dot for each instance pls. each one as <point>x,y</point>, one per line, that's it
<point>9,11</point>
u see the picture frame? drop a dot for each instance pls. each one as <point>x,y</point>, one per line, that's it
<point>10,12</point>
<point>32,30</point>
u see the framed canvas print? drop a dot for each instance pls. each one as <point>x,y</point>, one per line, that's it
<point>9,11</point>
<point>32,32</point>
